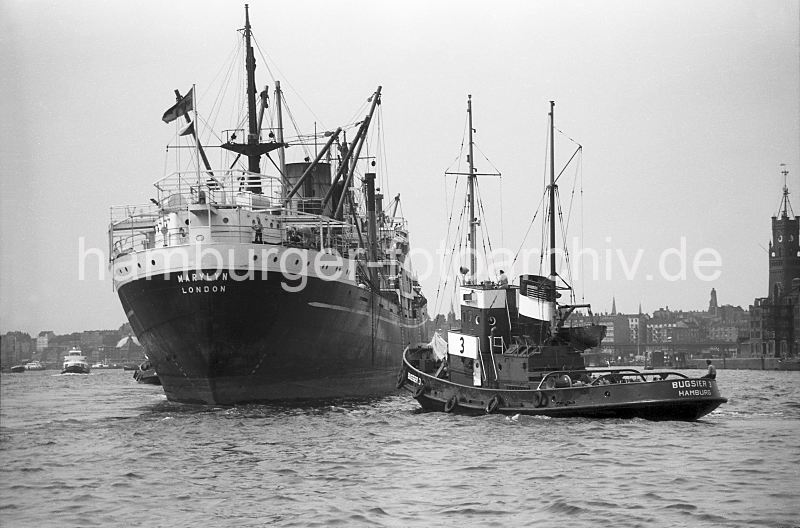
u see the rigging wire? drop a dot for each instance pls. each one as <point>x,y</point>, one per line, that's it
<point>484,226</point>
<point>449,213</point>
<point>566,249</point>
<point>383,158</point>
<point>288,110</point>
<point>449,257</point>
<point>546,217</point>
<point>289,84</point>
<point>530,225</point>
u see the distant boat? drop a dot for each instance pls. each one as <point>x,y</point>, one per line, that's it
<point>75,363</point>
<point>34,365</point>
<point>18,368</point>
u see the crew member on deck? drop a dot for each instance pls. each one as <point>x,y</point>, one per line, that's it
<point>258,228</point>
<point>502,280</point>
<point>712,371</point>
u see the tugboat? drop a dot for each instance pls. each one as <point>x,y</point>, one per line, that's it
<point>517,353</point>
<point>289,284</point>
<point>75,363</point>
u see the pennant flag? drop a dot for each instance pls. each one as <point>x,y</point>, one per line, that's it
<point>187,130</point>
<point>181,107</point>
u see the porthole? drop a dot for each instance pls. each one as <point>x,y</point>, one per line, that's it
<point>492,320</point>
<point>200,238</point>
<point>255,257</point>
<point>296,262</point>
<point>225,220</point>
<point>139,264</point>
<point>274,259</point>
<point>780,238</point>
<point>477,319</point>
<point>153,262</point>
<point>186,221</point>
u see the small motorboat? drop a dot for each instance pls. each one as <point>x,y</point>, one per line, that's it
<point>146,374</point>
<point>18,368</point>
<point>75,363</point>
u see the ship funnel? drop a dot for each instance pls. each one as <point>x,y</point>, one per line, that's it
<point>536,297</point>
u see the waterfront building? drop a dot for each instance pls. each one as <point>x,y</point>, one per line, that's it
<point>43,340</point>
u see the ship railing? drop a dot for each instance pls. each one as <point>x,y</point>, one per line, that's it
<point>133,229</point>
<point>394,223</point>
<point>218,187</point>
<point>607,376</point>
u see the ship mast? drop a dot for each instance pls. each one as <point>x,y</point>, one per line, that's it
<point>281,151</point>
<point>253,159</point>
<point>552,217</point>
<point>471,184</point>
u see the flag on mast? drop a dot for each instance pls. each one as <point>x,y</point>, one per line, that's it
<point>180,108</point>
<point>187,130</point>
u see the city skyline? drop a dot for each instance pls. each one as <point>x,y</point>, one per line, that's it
<point>685,113</point>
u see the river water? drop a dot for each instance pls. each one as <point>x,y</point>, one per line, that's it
<point>101,450</point>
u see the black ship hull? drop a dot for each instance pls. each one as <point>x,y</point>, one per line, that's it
<point>217,340</point>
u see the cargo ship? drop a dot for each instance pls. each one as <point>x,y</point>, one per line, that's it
<point>249,285</point>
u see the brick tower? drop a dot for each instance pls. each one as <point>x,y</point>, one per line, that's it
<point>784,249</point>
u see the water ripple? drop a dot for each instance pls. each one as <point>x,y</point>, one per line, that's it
<point>382,462</point>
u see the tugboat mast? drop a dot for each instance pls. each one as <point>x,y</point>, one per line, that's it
<point>471,183</point>
<point>552,219</point>
<point>253,164</point>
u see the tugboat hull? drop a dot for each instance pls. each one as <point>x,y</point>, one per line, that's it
<point>679,398</point>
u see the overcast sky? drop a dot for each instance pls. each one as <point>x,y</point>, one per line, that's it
<point>685,111</point>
